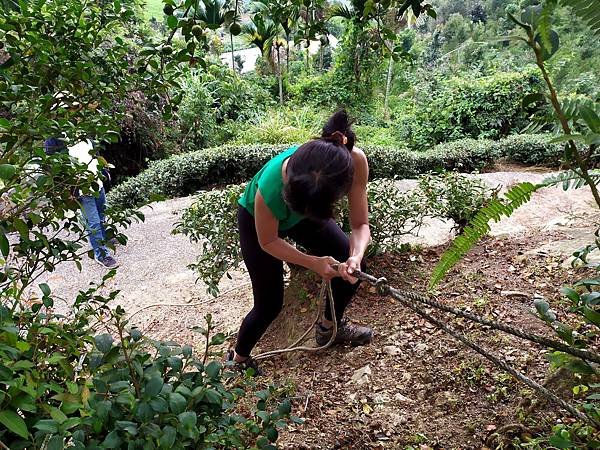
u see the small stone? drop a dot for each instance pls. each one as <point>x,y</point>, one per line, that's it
<point>421,347</point>
<point>361,375</point>
<point>392,350</point>
<point>401,398</point>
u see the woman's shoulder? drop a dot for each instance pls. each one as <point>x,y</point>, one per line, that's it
<point>359,157</point>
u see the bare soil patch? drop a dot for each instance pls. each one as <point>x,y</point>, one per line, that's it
<point>419,386</point>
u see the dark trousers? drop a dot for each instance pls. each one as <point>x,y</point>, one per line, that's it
<point>320,238</point>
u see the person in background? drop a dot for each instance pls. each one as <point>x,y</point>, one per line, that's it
<point>92,206</point>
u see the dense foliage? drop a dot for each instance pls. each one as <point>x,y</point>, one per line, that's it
<point>64,383</point>
<point>577,122</point>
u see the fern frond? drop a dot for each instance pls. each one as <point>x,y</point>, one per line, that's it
<point>480,226</point>
<point>495,210</point>
<point>587,10</point>
<point>571,179</point>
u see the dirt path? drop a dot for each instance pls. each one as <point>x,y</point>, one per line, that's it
<point>426,390</point>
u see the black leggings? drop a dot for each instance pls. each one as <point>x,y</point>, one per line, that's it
<point>320,238</point>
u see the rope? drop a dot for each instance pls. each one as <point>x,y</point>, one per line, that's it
<point>404,297</point>
<point>518,332</point>
<point>384,289</point>
<point>325,292</point>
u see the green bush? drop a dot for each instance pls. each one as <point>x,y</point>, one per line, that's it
<point>282,126</point>
<point>393,214</point>
<point>488,107</point>
<point>532,149</point>
<point>215,101</point>
<point>63,385</point>
<point>187,173</point>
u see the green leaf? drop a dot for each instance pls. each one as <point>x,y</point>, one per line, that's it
<point>188,419</point>
<point>112,440</point>
<point>153,387</point>
<point>590,117</point>
<point>272,434</point>
<point>213,396</point>
<point>285,407</point>
<point>4,123</point>
<point>172,22</point>
<point>55,443</point>
<point>177,403</point>
<point>218,339</point>
<point>14,423</point>
<point>45,289</point>
<point>567,137</point>
<point>212,369</point>
<point>167,440</point>
<point>104,342</point>
<point>4,245</point>
<point>7,171</point>
<point>547,52</point>
<point>135,334</point>
<point>159,405</point>
<point>58,415</point>
<point>21,227</point>
<point>559,442</point>
<point>46,426</point>
<point>263,416</point>
<point>570,293</point>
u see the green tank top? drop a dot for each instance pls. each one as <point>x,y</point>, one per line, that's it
<point>270,183</point>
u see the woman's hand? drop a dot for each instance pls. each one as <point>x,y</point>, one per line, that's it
<point>347,268</point>
<point>322,266</point>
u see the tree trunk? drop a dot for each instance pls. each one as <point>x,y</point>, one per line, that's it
<point>388,87</point>
<point>232,54</point>
<point>279,76</point>
<point>321,59</point>
<point>287,52</point>
<point>307,54</point>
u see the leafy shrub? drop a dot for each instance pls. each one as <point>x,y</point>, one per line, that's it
<point>488,107</point>
<point>455,196</point>
<point>393,214</point>
<point>185,174</point>
<point>212,222</point>
<point>63,385</point>
<point>532,149</point>
<point>282,126</point>
<point>375,136</point>
<point>215,100</point>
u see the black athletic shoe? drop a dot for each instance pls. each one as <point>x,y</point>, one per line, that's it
<point>243,366</point>
<point>347,333</point>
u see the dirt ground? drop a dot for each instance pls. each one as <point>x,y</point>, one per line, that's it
<point>413,386</point>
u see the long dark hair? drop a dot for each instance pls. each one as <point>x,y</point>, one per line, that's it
<point>320,172</point>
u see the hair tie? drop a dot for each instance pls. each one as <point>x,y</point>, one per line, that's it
<point>343,138</point>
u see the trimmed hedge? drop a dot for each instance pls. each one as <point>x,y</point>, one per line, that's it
<point>532,149</point>
<point>185,174</point>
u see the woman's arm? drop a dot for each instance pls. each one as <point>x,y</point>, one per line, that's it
<point>267,227</point>
<point>359,216</point>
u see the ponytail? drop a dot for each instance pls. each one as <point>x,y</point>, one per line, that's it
<point>338,129</point>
